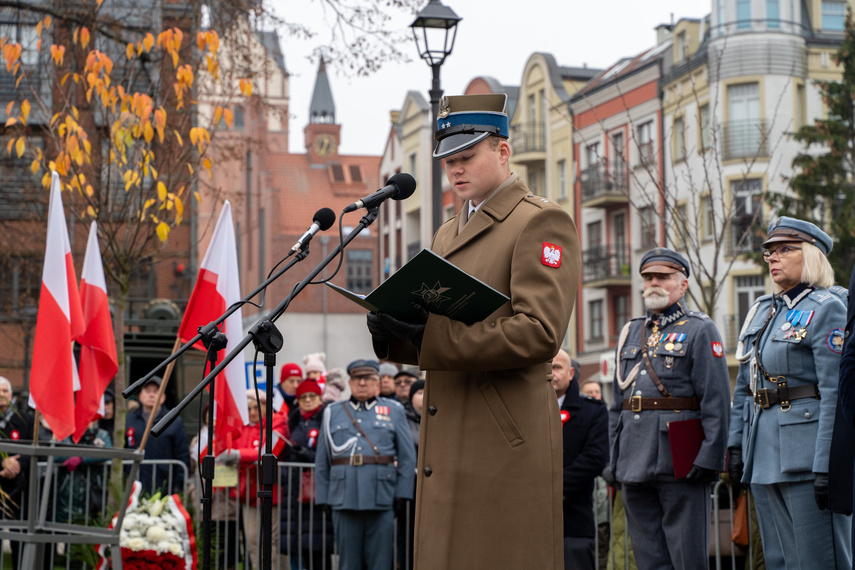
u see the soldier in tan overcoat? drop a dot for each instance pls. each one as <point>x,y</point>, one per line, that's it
<point>489,490</point>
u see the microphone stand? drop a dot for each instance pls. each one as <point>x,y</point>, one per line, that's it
<point>269,340</point>
<point>212,327</point>
<point>214,342</point>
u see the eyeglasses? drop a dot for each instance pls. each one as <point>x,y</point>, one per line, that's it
<point>782,252</point>
<point>309,396</point>
<point>407,382</point>
<point>366,379</point>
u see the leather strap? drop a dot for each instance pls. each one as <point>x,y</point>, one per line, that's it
<point>359,429</point>
<point>784,394</point>
<point>638,404</point>
<point>644,348</point>
<point>358,459</point>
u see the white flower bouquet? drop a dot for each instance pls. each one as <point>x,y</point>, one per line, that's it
<point>155,533</point>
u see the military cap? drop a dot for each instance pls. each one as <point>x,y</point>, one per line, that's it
<point>156,380</point>
<point>790,229</point>
<point>388,369</point>
<point>662,260</point>
<point>465,120</point>
<point>362,367</point>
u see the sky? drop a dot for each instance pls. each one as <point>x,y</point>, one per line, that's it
<point>494,38</point>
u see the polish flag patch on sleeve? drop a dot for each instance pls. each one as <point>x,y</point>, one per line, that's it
<point>551,255</point>
<point>717,349</point>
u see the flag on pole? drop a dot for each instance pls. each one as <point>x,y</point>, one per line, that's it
<point>217,288</point>
<point>98,360</point>
<point>59,322</point>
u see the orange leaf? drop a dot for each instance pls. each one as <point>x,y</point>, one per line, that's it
<point>218,114</point>
<point>229,118</point>
<point>148,42</point>
<point>148,132</point>
<point>11,121</point>
<point>47,22</point>
<point>9,108</point>
<point>25,110</point>
<point>84,36</point>
<point>20,146</point>
<point>129,51</point>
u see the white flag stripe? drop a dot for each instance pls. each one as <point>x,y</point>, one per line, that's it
<point>57,247</point>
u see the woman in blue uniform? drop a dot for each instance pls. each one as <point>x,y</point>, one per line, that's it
<point>785,398</point>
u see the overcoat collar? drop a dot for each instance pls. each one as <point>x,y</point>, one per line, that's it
<point>496,208</point>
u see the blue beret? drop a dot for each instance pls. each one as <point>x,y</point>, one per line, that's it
<point>363,366</point>
<point>662,260</point>
<point>465,120</point>
<point>790,229</point>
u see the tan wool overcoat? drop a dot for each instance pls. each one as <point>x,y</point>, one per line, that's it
<point>489,489</point>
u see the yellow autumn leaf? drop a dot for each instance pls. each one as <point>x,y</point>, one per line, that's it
<point>46,180</point>
<point>20,146</point>
<point>161,191</point>
<point>89,190</point>
<point>11,121</point>
<point>179,210</point>
<point>148,203</point>
<point>178,136</point>
<point>229,116</point>
<point>25,111</point>
<point>9,108</point>
<point>9,146</point>
<point>162,231</point>
<point>129,51</point>
<point>218,114</point>
<point>34,167</point>
<point>148,132</point>
<point>207,163</point>
<point>91,211</point>
<point>148,42</point>
<point>195,195</point>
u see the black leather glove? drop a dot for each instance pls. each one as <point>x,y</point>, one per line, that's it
<point>377,328</point>
<point>302,454</point>
<point>820,490</point>
<point>609,476</point>
<point>734,464</point>
<point>701,475</point>
<point>411,331</point>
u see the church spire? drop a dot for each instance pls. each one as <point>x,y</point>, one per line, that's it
<point>322,108</point>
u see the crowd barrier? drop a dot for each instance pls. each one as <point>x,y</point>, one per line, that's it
<point>83,496</point>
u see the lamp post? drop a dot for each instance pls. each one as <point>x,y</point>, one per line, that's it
<point>434,30</point>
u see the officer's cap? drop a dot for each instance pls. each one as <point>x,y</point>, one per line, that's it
<point>465,120</point>
<point>362,367</point>
<point>790,229</point>
<point>661,260</point>
<point>388,369</point>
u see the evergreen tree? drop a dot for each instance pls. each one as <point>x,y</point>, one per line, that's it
<point>823,185</point>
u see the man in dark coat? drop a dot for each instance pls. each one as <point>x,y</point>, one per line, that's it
<point>585,423</point>
<point>172,443</point>
<point>841,442</point>
<point>14,468</point>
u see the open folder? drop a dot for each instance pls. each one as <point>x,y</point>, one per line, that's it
<point>686,438</point>
<point>435,283</point>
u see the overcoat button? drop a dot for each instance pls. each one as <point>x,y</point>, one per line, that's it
<point>807,415</point>
<point>636,417</point>
<point>428,471</point>
<point>432,410</point>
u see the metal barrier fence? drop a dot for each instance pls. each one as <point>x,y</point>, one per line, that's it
<point>303,535</point>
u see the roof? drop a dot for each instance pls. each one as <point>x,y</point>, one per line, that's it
<point>270,41</point>
<point>322,107</point>
<point>623,68</point>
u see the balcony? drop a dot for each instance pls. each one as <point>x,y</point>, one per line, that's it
<point>601,188</point>
<point>605,266</point>
<point>746,139</point>
<point>528,141</point>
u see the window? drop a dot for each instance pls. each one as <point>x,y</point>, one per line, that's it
<point>621,251</point>
<point>744,136</point>
<point>747,288</point>
<point>337,172</point>
<point>648,227</point>
<point>595,320</point>
<point>617,171</point>
<point>621,311</point>
<point>773,14</point>
<point>595,235</point>
<point>708,229</point>
<point>21,285</point>
<point>682,46</point>
<point>562,179</point>
<point>645,143</point>
<point>27,37</point>
<point>747,215</point>
<point>532,181</point>
<point>592,154</point>
<point>833,15</point>
<point>532,109</point>
<point>359,270</point>
<point>680,227</point>
<point>705,126</point>
<point>355,174</point>
<point>743,14</point>
<point>679,139</point>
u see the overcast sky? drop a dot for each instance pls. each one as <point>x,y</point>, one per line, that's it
<point>495,38</point>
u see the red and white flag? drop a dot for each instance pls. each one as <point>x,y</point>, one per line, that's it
<point>60,321</point>
<point>217,288</point>
<point>98,361</point>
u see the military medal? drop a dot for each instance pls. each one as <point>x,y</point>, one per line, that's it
<point>669,347</point>
<point>654,338</point>
<point>786,326</point>
<point>669,362</point>
<point>678,346</point>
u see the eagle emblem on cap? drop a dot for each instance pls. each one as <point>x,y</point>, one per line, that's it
<point>444,108</point>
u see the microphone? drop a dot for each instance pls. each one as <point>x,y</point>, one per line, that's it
<point>400,187</point>
<point>323,220</point>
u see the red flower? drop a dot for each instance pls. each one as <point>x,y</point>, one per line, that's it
<point>151,560</point>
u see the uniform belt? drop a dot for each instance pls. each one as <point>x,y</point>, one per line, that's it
<point>784,394</point>
<point>637,404</point>
<point>358,459</point>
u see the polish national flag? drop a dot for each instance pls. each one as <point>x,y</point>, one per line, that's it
<point>59,322</point>
<point>98,360</point>
<point>217,288</point>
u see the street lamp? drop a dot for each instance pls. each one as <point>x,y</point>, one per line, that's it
<point>434,30</point>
